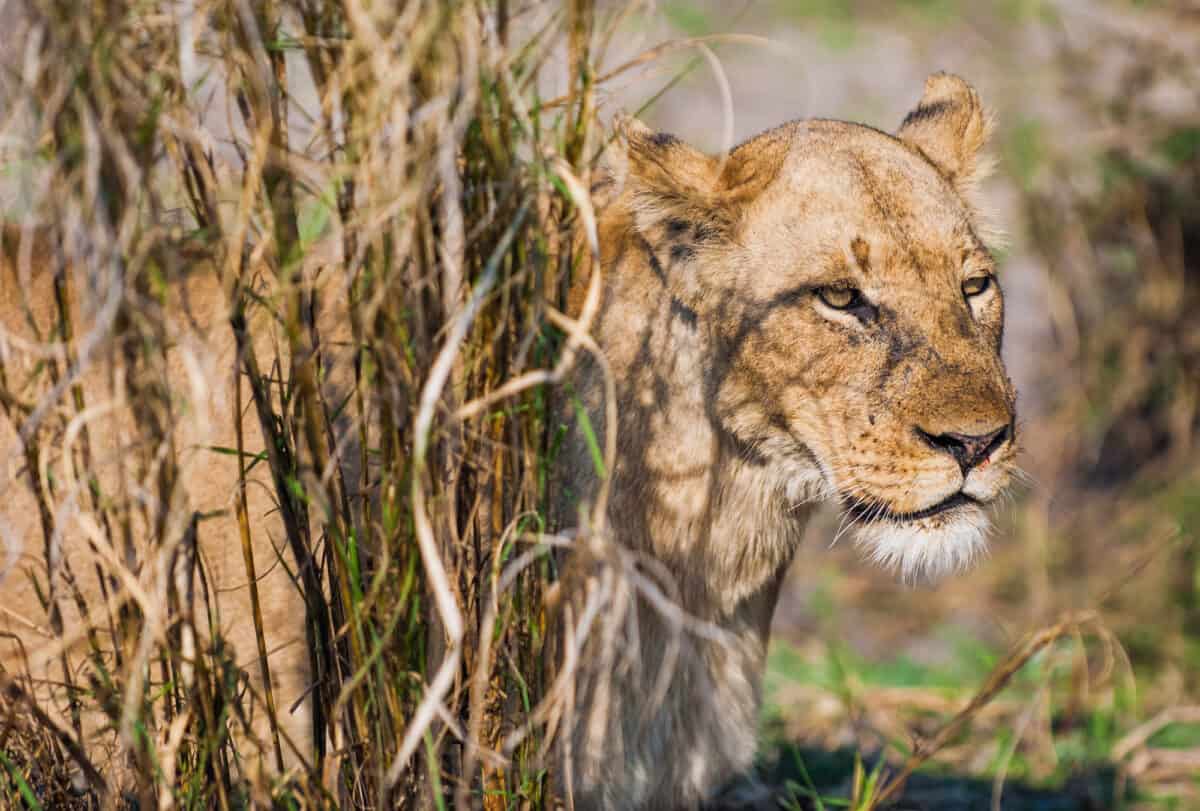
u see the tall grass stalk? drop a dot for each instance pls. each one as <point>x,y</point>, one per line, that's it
<point>391,221</point>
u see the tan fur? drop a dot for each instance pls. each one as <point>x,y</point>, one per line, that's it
<point>200,366</point>
<point>741,404</point>
<point>743,400</point>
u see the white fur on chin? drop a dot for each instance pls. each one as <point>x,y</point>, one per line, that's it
<point>928,549</point>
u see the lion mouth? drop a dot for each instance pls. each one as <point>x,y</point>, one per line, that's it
<point>873,512</point>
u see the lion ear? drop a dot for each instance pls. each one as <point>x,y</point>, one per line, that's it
<point>665,178</point>
<point>950,127</point>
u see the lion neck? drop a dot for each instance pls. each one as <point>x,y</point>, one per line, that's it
<point>719,519</point>
<point>723,516</point>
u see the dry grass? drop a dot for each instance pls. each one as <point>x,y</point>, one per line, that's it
<point>392,219</point>
<point>375,185</point>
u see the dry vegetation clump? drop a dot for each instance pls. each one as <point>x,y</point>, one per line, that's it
<point>1120,235</point>
<point>43,767</point>
<point>1118,225</point>
<point>366,205</point>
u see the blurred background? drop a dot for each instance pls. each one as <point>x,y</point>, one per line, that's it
<point>1097,187</point>
<point>1097,106</point>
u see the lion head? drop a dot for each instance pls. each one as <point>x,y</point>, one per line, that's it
<point>854,311</point>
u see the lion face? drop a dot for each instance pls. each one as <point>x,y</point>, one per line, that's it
<point>856,316</point>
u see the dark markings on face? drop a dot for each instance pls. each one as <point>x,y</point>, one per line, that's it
<point>746,452</point>
<point>663,139</point>
<point>652,260</point>
<point>885,205</point>
<point>962,322</point>
<point>901,344</point>
<point>676,228</point>
<point>681,253</point>
<point>862,253</point>
<point>683,312</point>
<point>1000,329</point>
<point>703,233</point>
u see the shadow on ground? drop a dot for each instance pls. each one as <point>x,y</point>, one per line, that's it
<point>793,772</point>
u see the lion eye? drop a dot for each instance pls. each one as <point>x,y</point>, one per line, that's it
<point>840,298</point>
<point>976,285</point>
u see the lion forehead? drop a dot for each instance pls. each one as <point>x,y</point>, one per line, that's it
<point>841,181</point>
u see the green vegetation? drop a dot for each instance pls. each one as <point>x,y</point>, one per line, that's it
<point>390,215</point>
<point>391,211</point>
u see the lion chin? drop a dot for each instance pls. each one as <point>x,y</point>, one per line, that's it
<point>927,549</point>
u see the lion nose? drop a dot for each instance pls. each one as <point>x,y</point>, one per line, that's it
<point>969,450</point>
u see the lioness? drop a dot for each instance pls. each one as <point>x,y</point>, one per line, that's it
<point>75,452</point>
<point>811,317</point>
